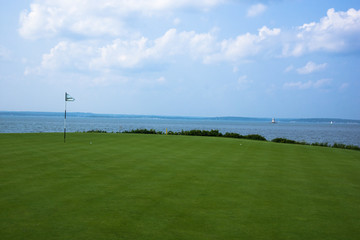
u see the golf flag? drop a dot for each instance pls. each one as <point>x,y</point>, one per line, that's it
<point>69,98</point>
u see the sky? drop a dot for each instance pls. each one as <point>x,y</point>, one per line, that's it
<point>206,58</point>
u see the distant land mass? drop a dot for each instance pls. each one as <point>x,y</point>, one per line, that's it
<point>225,118</point>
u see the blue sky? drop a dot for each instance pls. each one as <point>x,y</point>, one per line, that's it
<point>274,58</point>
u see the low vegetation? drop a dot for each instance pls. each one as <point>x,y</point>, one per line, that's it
<point>217,133</point>
<point>335,145</point>
<point>96,131</point>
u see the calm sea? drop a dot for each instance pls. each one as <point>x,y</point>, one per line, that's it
<point>308,130</point>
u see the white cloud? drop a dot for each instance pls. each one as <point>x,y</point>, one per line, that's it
<point>39,22</point>
<point>68,56</point>
<point>311,67</point>
<point>256,10</point>
<point>93,18</point>
<point>191,43</point>
<point>336,32</point>
<point>150,6</point>
<point>307,85</point>
<point>265,32</point>
<point>127,54</point>
<point>243,46</point>
<point>91,55</point>
<point>120,53</point>
<point>50,19</point>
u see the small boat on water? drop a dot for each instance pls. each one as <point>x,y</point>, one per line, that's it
<point>273,120</point>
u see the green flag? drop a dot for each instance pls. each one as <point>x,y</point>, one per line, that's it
<point>69,98</point>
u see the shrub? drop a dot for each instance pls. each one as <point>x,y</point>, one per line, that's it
<point>96,131</point>
<point>233,135</point>
<point>284,140</point>
<point>340,145</point>
<point>255,137</point>
<point>215,133</point>
<point>143,131</point>
<point>321,144</point>
<point>353,147</point>
<point>211,133</point>
<point>172,133</point>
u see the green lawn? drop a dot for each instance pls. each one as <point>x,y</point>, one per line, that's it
<point>124,186</point>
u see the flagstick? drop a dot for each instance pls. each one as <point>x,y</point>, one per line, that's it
<point>65,121</point>
<point>67,98</point>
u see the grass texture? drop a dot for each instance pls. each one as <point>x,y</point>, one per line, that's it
<point>124,186</point>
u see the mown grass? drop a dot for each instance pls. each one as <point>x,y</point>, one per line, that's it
<point>124,186</point>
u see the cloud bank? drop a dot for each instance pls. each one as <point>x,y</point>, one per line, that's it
<point>107,42</point>
<point>336,32</point>
<point>94,18</point>
<point>132,53</point>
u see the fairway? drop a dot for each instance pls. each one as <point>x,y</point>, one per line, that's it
<point>125,186</point>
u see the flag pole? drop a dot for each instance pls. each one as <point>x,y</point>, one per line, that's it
<point>71,99</point>
<point>65,120</point>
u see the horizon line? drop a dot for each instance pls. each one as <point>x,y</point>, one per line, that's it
<point>180,116</point>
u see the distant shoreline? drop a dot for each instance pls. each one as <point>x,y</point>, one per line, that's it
<point>224,118</point>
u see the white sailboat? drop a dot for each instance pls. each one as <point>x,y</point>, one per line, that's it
<point>273,120</point>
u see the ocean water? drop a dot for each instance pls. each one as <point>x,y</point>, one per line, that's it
<point>308,130</point>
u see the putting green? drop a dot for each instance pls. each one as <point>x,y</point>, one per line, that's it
<point>123,186</point>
